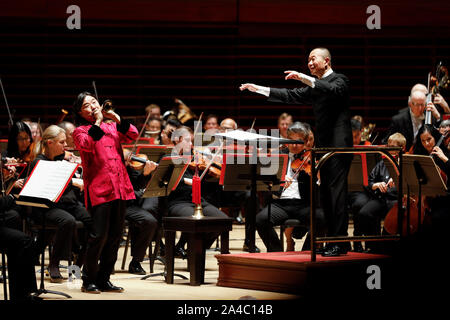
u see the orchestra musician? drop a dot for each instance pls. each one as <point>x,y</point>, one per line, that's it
<point>409,120</point>
<point>21,251</point>
<point>20,149</point>
<point>106,186</point>
<point>180,200</point>
<point>293,201</point>
<point>66,211</point>
<point>142,223</point>
<point>328,92</point>
<point>381,193</point>
<point>428,136</point>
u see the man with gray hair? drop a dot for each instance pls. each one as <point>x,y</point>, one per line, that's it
<point>409,121</point>
<point>328,93</point>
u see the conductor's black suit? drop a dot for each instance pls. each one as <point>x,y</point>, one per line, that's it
<point>330,102</point>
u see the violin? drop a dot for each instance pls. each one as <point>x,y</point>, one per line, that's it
<point>138,161</point>
<point>202,163</point>
<point>302,163</point>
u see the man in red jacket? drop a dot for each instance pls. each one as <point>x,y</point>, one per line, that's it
<point>107,186</point>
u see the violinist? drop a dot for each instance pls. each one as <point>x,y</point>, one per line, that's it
<point>382,196</point>
<point>166,133</point>
<point>180,200</point>
<point>211,123</point>
<point>107,186</point>
<point>21,150</point>
<point>142,223</point>
<point>66,211</point>
<point>439,209</point>
<point>294,200</point>
<point>444,128</point>
<point>153,130</point>
<point>234,201</point>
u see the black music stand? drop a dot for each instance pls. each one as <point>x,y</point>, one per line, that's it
<point>42,203</point>
<point>254,140</point>
<point>422,177</point>
<point>244,172</point>
<point>154,152</point>
<point>163,181</point>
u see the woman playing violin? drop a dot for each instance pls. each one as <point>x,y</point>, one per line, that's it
<point>439,208</point>
<point>294,200</point>
<point>66,211</point>
<point>20,152</point>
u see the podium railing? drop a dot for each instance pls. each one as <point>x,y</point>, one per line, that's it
<point>330,152</point>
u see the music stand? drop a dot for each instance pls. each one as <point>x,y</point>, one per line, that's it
<point>239,173</point>
<point>154,152</point>
<point>163,181</point>
<point>421,176</point>
<point>253,139</point>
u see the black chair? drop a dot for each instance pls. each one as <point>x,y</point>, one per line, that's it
<point>151,254</point>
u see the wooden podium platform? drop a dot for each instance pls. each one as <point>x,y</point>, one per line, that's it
<point>293,272</point>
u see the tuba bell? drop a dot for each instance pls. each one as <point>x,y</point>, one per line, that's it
<point>366,131</point>
<point>184,113</point>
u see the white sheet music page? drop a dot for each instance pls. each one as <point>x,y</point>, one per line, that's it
<point>48,179</point>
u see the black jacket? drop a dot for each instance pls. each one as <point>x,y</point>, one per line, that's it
<point>330,100</point>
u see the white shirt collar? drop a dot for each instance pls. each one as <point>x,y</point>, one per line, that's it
<point>326,74</point>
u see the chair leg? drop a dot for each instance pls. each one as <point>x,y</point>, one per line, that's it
<point>282,237</point>
<point>127,243</point>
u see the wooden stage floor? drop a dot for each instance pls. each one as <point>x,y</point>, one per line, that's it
<point>155,288</point>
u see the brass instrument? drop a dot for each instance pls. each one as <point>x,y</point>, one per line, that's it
<point>184,113</point>
<point>366,131</point>
<point>441,79</point>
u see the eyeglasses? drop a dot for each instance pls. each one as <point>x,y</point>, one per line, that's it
<point>23,139</point>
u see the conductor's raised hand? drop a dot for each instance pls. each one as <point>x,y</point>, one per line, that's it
<point>294,75</point>
<point>248,86</point>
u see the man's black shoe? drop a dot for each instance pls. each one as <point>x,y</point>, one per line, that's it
<point>109,287</point>
<point>90,288</point>
<point>246,248</point>
<point>334,251</point>
<point>180,253</point>
<point>136,268</point>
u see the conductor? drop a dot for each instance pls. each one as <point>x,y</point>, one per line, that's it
<point>328,93</point>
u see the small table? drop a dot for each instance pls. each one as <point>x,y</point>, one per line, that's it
<point>196,229</point>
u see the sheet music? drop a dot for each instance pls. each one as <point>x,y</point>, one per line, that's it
<point>48,179</point>
<point>246,136</point>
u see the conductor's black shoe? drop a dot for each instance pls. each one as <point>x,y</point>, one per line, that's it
<point>180,253</point>
<point>90,288</point>
<point>109,287</point>
<point>247,249</point>
<point>357,247</point>
<point>136,268</point>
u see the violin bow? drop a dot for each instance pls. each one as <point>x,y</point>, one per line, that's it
<point>253,124</point>
<point>10,122</point>
<point>95,90</point>
<point>212,160</point>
